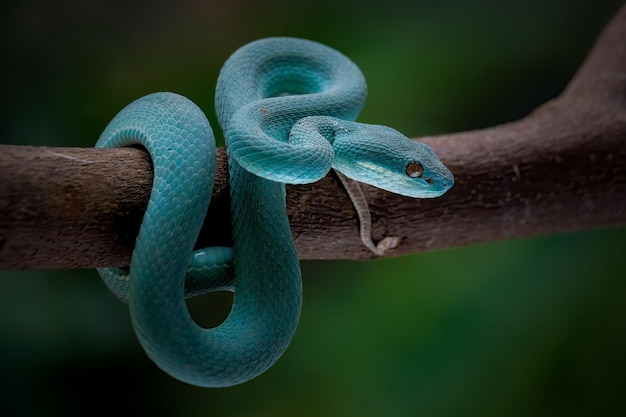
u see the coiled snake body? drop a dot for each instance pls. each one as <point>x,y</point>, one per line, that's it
<point>287,108</point>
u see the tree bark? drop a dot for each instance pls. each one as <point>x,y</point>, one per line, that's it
<point>562,168</point>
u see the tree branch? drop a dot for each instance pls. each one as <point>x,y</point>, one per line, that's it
<point>560,169</point>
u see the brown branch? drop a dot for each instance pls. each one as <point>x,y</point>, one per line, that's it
<point>562,168</point>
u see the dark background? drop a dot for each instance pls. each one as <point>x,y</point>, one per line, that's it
<point>531,327</point>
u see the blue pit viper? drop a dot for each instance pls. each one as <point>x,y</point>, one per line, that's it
<point>287,108</point>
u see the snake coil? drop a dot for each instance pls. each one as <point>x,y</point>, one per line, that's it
<point>287,108</point>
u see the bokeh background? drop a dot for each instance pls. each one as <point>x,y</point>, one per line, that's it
<point>532,327</point>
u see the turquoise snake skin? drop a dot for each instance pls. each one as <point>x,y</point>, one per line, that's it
<point>287,108</point>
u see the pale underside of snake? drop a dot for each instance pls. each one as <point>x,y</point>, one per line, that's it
<point>287,108</point>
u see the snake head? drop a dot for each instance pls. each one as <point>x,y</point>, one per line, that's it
<point>385,158</point>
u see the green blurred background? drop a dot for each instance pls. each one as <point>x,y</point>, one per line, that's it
<point>532,327</point>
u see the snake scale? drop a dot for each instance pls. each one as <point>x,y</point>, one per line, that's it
<point>287,108</point>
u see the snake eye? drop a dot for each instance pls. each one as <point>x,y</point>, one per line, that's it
<point>414,169</point>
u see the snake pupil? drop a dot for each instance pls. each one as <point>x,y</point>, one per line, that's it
<point>414,170</point>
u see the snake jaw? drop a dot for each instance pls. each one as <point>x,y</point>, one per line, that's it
<point>429,186</point>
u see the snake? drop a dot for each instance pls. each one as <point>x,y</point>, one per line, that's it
<point>287,108</point>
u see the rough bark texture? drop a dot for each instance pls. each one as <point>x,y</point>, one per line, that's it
<point>562,168</point>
